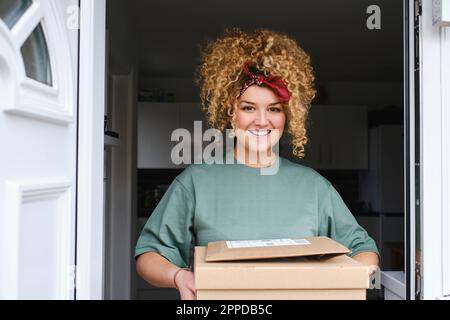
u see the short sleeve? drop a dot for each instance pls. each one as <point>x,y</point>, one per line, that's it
<point>339,224</point>
<point>169,230</point>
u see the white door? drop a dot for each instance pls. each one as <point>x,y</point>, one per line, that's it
<point>38,141</point>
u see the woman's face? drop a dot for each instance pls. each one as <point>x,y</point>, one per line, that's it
<point>260,119</point>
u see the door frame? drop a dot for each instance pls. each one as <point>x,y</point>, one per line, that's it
<point>434,155</point>
<point>90,217</point>
<point>410,144</point>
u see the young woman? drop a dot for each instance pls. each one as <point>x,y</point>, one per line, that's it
<point>260,85</point>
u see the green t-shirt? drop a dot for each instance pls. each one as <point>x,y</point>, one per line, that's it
<point>235,202</point>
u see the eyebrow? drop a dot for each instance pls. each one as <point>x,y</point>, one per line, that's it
<point>270,104</point>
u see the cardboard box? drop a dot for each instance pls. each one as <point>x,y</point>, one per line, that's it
<point>275,248</point>
<point>316,276</point>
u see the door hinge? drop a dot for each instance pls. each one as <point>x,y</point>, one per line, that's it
<point>418,281</point>
<point>417,8</point>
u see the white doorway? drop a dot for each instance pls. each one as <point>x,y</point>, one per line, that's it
<point>347,57</point>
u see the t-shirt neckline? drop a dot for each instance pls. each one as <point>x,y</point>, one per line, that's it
<point>236,162</point>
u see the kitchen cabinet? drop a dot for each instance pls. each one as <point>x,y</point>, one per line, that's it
<point>338,138</point>
<point>156,122</point>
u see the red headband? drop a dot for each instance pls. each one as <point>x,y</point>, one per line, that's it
<point>273,82</point>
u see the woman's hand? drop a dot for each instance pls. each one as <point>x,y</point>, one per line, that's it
<point>184,281</point>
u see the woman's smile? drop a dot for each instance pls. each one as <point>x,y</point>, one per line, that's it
<point>260,133</point>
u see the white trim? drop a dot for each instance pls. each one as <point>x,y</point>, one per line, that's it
<point>9,64</point>
<point>90,219</point>
<point>27,23</point>
<point>34,99</point>
<point>412,165</point>
<point>18,193</point>
<point>435,143</point>
<point>446,160</point>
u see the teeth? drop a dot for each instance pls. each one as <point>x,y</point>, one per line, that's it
<point>260,133</point>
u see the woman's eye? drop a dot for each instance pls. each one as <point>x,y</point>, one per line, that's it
<point>247,108</point>
<point>275,109</point>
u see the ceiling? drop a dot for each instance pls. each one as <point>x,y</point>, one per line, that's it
<point>333,32</point>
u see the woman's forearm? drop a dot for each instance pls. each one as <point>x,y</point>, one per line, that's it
<point>156,270</point>
<point>369,259</point>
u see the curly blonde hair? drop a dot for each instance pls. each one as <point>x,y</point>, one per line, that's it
<point>220,77</point>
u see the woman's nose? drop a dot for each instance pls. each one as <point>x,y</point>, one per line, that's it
<point>261,119</point>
